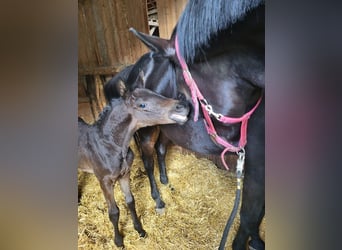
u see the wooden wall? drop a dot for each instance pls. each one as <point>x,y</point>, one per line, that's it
<point>105,46</point>
<point>168,14</point>
<point>104,39</point>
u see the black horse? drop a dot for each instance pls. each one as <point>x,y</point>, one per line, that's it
<point>223,44</point>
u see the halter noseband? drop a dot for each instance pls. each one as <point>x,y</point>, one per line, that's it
<point>207,109</point>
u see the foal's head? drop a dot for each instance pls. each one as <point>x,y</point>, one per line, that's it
<point>149,108</point>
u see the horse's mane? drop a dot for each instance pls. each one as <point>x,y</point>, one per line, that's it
<point>202,19</point>
<point>107,109</point>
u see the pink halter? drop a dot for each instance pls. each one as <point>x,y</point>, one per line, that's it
<point>196,96</point>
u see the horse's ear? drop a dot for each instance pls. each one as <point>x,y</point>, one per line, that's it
<point>121,87</point>
<point>155,43</point>
<point>141,80</point>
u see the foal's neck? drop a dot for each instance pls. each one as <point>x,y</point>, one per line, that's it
<point>118,126</point>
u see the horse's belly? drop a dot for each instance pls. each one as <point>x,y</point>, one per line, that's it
<point>85,165</point>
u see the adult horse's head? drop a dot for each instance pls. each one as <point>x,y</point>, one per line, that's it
<point>158,66</point>
<point>230,72</point>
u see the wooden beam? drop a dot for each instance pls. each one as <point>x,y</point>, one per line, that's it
<point>107,70</point>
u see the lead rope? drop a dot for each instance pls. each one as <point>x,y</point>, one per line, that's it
<point>239,171</point>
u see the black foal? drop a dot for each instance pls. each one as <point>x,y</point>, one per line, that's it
<point>103,148</point>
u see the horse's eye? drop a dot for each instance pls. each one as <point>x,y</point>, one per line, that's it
<point>142,105</point>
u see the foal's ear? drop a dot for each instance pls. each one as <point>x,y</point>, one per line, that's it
<point>140,83</point>
<point>121,88</point>
<point>155,43</point>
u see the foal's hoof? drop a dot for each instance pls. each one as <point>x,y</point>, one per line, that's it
<point>160,210</point>
<point>160,206</point>
<point>143,234</point>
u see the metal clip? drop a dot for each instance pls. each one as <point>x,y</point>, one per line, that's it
<point>217,116</point>
<point>239,167</point>
<point>210,110</point>
<point>204,102</point>
<point>240,162</point>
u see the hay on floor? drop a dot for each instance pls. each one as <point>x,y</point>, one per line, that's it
<point>199,199</point>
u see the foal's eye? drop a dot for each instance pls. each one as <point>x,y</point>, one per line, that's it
<point>142,105</point>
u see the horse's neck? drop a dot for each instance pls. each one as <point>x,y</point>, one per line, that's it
<point>118,127</point>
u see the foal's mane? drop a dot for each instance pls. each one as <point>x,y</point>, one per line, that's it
<point>107,109</point>
<point>103,114</point>
<point>202,19</point>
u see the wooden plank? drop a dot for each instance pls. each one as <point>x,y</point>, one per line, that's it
<point>83,99</point>
<point>105,70</point>
<point>168,13</point>
<point>85,45</point>
<point>137,19</point>
<point>100,99</point>
<point>104,38</point>
<point>81,86</point>
<point>110,36</point>
<point>85,112</point>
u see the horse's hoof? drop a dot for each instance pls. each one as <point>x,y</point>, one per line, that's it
<point>160,210</point>
<point>119,242</point>
<point>256,245</point>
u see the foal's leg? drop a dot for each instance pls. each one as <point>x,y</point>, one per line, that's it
<point>125,187</point>
<point>161,148</point>
<point>147,139</point>
<point>107,186</point>
<point>252,210</point>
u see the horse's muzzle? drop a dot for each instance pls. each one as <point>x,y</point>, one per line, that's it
<point>181,112</point>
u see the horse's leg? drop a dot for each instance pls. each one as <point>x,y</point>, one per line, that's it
<point>147,139</point>
<point>125,187</point>
<point>256,242</point>
<point>107,187</point>
<point>252,209</point>
<point>161,148</point>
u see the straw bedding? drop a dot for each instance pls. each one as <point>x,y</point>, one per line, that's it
<point>199,199</point>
